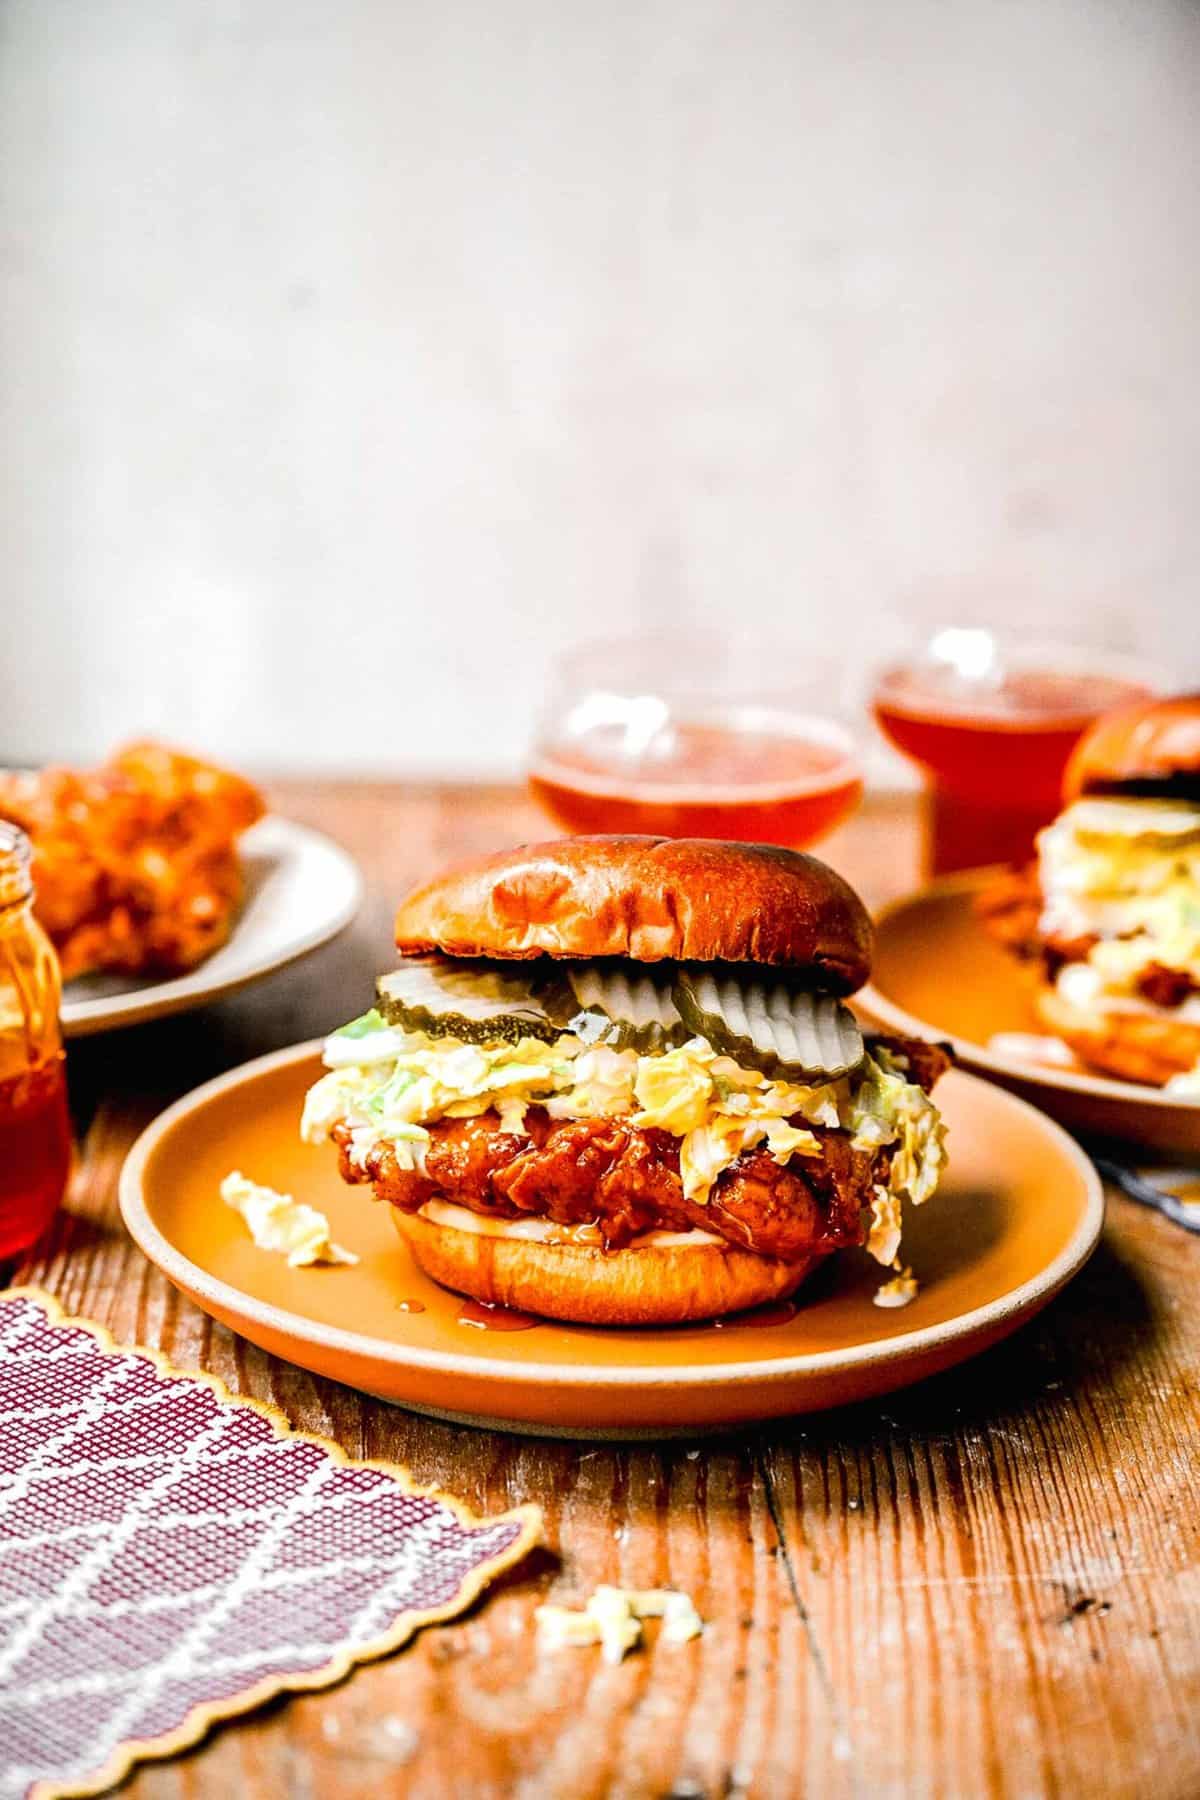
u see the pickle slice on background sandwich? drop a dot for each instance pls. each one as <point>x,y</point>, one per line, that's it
<point>613,1081</point>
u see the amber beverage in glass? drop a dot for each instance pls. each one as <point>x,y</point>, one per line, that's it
<point>992,726</point>
<point>693,740</point>
<point>35,1131</point>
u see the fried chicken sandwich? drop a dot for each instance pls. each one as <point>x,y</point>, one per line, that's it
<point>1110,916</point>
<point>613,1081</point>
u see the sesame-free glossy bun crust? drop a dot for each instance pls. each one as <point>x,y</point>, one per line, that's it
<point>650,899</point>
<point>640,1285</point>
<point>1148,742</point>
<point>1144,1047</point>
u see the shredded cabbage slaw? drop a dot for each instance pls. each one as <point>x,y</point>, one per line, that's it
<point>389,1085</point>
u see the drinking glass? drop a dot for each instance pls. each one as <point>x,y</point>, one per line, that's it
<point>697,737</point>
<point>992,720</point>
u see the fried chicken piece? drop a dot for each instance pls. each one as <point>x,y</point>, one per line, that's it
<point>1010,907</point>
<point>922,1061</point>
<point>626,1180</point>
<point>1165,986</point>
<point>135,863</point>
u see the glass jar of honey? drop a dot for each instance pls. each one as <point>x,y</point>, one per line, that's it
<point>35,1131</point>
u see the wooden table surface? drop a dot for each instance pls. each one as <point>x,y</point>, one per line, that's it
<point>987,1585</point>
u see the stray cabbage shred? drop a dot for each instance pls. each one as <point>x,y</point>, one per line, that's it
<point>901,1290</point>
<point>389,1085</point>
<point>613,1618</point>
<point>279,1222</point>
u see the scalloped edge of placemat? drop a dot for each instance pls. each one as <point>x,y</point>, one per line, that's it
<point>202,1717</point>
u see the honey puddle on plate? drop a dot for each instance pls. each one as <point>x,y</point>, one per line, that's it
<point>762,1315</point>
<point>485,1317</point>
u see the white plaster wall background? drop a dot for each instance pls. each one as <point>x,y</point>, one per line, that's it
<point>354,357</point>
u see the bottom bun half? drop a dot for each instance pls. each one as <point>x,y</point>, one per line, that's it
<point>643,1284</point>
<point>1135,1046</point>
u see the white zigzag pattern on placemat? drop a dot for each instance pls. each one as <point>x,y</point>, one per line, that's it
<point>234,1515</point>
<point>275,1581</point>
<point>61,1600</point>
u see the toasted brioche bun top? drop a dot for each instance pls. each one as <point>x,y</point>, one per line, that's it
<point>1149,744</point>
<point>650,899</point>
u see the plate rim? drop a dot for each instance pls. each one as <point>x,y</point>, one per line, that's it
<point>86,1018</point>
<point>183,1273</point>
<point>978,1056</point>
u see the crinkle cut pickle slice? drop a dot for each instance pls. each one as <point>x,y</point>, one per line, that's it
<point>763,1022</point>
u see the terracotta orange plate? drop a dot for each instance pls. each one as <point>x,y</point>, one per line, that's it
<point>1017,1215</point>
<point>939,974</point>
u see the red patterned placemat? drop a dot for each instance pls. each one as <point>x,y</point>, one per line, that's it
<point>172,1554</point>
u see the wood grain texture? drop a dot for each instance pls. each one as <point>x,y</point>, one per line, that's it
<point>987,1586</point>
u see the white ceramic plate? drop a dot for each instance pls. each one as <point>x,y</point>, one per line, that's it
<point>301,890</point>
